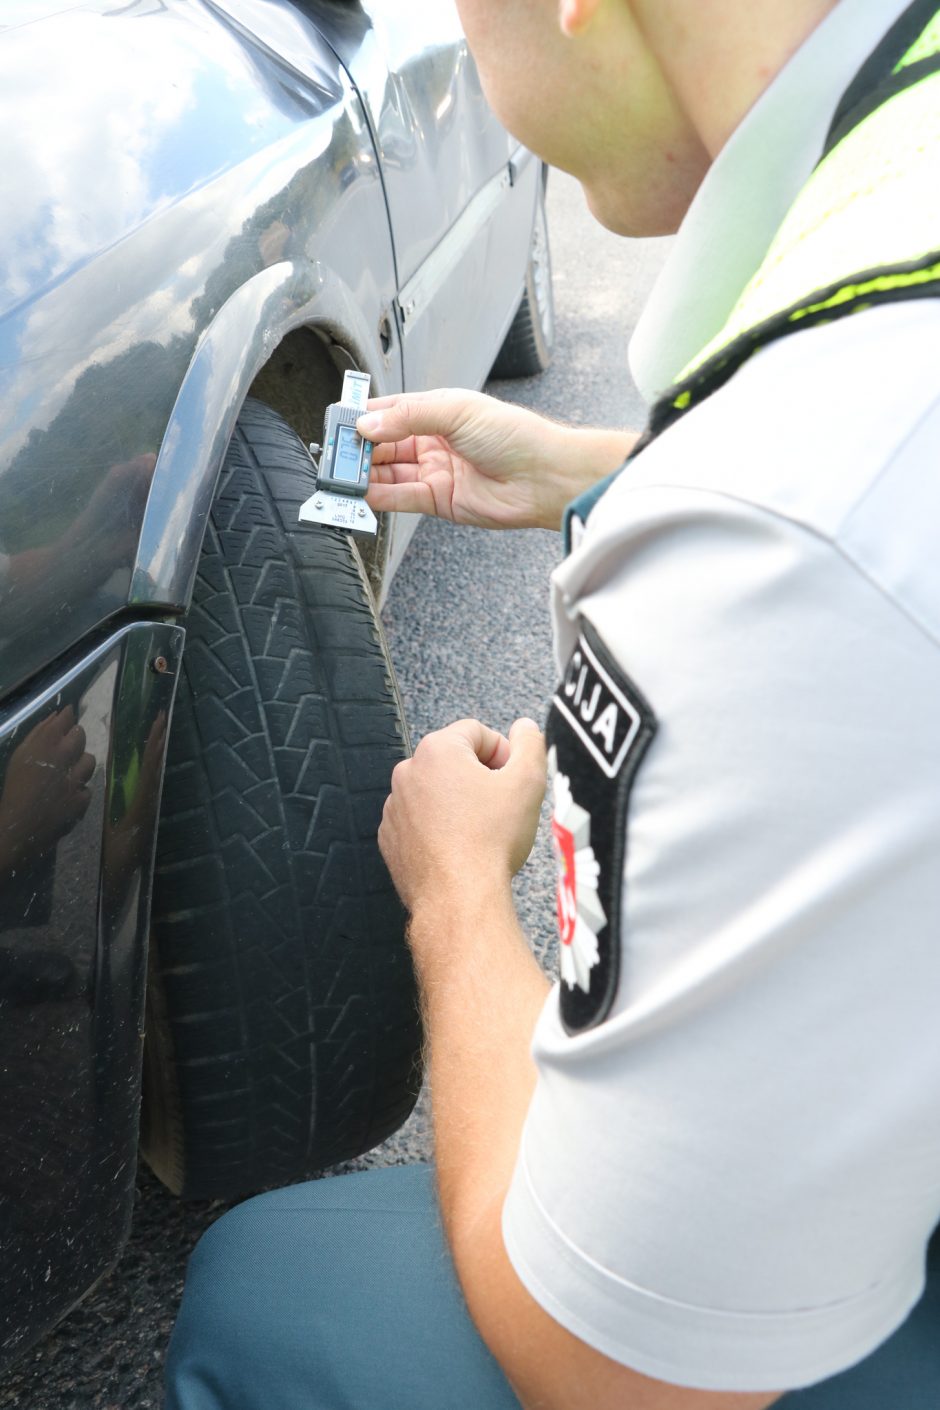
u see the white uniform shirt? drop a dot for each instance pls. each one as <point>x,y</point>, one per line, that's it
<point>730,1181</point>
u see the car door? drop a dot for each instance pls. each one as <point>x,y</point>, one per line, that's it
<point>460,190</point>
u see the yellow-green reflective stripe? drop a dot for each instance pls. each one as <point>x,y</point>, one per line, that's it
<point>878,285</point>
<point>925,47</point>
<point>870,204</point>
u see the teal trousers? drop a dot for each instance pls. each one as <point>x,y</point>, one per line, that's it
<point>340,1295</point>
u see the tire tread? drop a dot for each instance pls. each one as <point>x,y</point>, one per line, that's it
<point>286,729</point>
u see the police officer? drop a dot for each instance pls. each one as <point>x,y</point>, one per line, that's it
<point>712,1174</point>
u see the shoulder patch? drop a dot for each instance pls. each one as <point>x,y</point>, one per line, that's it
<point>599,728</point>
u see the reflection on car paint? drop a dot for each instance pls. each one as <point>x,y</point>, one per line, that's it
<point>129,233</point>
<point>79,784</point>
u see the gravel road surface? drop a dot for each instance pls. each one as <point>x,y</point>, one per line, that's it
<point>468,625</point>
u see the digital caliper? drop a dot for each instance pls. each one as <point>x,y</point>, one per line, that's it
<point>345,460</point>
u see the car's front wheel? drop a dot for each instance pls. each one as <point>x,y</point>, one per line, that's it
<point>282,1024</point>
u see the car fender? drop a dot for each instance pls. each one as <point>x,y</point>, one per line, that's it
<point>234,347</point>
<point>234,166</point>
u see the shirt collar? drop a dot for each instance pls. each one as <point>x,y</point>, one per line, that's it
<point>749,188</point>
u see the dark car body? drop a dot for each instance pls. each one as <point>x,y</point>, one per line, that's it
<point>202,198</point>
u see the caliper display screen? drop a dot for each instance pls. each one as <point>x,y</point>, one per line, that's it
<point>348,455</point>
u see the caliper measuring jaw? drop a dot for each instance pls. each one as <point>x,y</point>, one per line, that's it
<point>344,463</point>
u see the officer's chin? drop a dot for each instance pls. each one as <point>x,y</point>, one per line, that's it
<point>643,209</point>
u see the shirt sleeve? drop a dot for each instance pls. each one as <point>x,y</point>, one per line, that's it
<point>730,1182</point>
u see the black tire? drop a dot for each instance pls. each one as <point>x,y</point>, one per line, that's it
<point>527,347</point>
<point>282,1022</point>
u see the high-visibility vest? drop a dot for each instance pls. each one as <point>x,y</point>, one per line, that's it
<point>863,231</point>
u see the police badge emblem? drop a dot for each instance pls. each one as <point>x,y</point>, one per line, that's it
<point>599,728</point>
<point>580,913</point>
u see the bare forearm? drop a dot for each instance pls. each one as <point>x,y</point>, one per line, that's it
<point>578,458</point>
<point>482,991</point>
<point>469,792</point>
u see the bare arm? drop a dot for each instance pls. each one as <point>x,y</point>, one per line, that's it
<point>461,819</point>
<point>476,460</point>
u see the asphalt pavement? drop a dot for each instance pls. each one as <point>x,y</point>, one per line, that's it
<point>468,625</point>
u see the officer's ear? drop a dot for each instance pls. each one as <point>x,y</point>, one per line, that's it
<point>574,16</point>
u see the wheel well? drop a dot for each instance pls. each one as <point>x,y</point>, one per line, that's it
<point>299,380</point>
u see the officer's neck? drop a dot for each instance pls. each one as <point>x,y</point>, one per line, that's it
<point>719,56</point>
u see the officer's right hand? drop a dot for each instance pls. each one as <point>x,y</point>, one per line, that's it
<point>472,459</point>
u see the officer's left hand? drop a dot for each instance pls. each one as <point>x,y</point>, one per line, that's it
<point>463,812</point>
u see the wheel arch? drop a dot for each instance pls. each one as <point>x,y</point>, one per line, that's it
<point>289,331</point>
<point>301,377</point>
